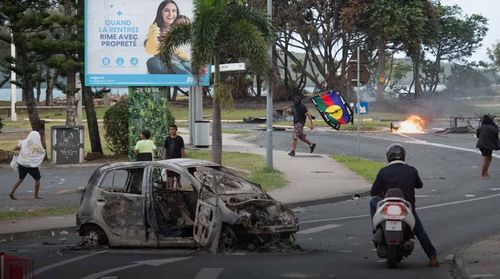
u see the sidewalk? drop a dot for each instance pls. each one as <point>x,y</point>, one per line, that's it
<point>312,178</point>
<point>479,260</point>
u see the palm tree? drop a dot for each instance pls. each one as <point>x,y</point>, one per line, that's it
<point>221,27</point>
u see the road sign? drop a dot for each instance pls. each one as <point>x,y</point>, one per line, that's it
<point>362,108</point>
<point>230,67</point>
<point>364,74</point>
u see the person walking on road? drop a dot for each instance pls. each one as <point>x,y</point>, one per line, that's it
<point>300,113</point>
<point>487,141</point>
<point>397,174</point>
<point>31,155</point>
<point>173,148</point>
<point>145,149</point>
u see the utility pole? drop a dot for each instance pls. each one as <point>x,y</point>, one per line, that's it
<point>357,98</point>
<point>13,87</point>
<point>269,99</point>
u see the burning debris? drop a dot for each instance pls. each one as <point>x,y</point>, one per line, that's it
<point>412,125</point>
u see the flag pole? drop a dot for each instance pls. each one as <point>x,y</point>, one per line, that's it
<point>305,99</point>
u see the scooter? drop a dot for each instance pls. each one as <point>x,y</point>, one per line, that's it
<point>393,224</point>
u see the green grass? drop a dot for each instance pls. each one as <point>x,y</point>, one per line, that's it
<point>367,169</point>
<point>254,164</point>
<point>11,215</point>
<point>269,179</point>
<point>9,144</point>
<point>366,126</point>
<point>227,114</point>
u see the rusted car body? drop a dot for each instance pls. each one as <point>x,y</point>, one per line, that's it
<point>130,205</point>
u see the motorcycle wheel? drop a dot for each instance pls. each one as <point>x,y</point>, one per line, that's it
<point>392,256</point>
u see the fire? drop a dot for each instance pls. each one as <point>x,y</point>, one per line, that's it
<point>413,124</point>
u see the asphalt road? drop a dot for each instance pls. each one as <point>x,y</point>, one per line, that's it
<point>59,187</point>
<point>455,205</point>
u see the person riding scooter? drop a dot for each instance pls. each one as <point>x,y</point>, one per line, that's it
<point>397,174</point>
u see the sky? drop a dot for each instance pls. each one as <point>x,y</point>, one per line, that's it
<point>489,9</point>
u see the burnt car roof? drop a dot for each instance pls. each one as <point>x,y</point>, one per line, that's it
<point>181,162</point>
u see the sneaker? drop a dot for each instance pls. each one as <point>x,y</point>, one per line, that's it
<point>312,146</point>
<point>291,153</point>
<point>433,262</point>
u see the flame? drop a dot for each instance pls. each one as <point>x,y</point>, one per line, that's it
<point>413,124</point>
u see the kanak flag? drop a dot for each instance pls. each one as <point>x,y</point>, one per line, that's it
<point>333,108</point>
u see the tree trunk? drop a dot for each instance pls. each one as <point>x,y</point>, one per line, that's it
<point>415,56</point>
<point>92,124</point>
<point>259,84</point>
<point>29,97</point>
<point>416,77</point>
<point>435,75</point>
<point>216,125</point>
<point>174,94</point>
<point>169,97</point>
<point>49,91</point>
<point>380,70</point>
<point>70,99</point>
<point>38,91</point>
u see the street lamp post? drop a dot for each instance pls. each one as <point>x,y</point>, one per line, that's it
<point>269,100</point>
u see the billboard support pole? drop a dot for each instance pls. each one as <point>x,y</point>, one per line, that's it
<point>269,98</point>
<point>192,113</point>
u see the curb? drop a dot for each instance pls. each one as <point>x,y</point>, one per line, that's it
<point>458,265</point>
<point>37,234</point>
<point>62,166</point>
<point>54,232</point>
<point>328,200</point>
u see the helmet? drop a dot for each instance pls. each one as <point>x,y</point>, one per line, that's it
<point>395,152</point>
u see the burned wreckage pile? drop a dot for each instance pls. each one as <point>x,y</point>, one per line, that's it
<point>181,203</point>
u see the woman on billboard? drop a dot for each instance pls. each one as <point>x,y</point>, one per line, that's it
<point>167,15</point>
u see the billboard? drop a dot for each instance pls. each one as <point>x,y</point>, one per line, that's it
<point>122,40</point>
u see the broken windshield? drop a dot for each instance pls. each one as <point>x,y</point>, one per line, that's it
<point>228,182</point>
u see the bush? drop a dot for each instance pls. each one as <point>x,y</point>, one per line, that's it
<point>116,124</point>
<point>1,124</point>
<point>148,110</point>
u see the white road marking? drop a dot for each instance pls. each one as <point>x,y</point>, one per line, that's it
<point>146,262</point>
<point>418,209</point>
<point>334,219</point>
<point>319,229</point>
<point>209,273</point>
<point>51,266</point>
<point>482,276</point>
<point>459,202</point>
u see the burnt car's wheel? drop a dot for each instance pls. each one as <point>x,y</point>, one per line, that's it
<point>228,239</point>
<point>93,237</point>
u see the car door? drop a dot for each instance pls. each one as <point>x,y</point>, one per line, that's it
<point>208,220</point>
<point>120,202</point>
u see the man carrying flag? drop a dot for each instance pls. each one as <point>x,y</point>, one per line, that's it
<point>300,113</point>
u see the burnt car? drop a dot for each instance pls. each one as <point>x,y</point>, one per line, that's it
<point>133,204</point>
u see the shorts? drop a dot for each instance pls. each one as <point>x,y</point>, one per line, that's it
<point>34,172</point>
<point>486,152</point>
<point>298,131</point>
